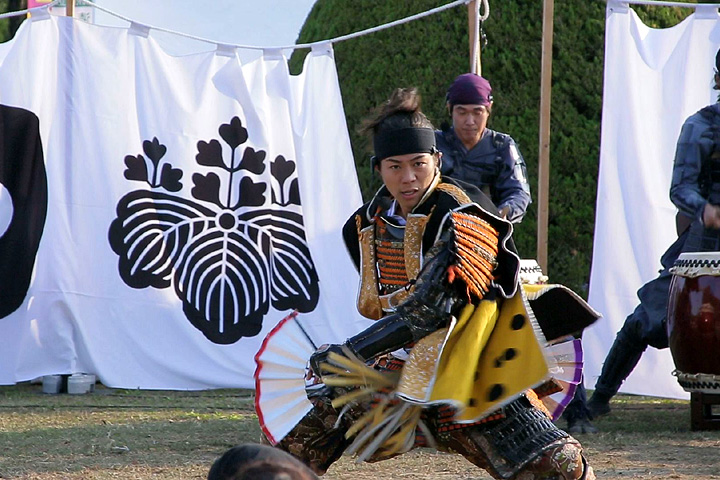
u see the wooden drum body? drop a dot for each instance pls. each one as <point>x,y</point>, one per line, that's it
<point>693,321</point>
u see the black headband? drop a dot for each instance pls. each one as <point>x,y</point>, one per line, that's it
<point>403,141</point>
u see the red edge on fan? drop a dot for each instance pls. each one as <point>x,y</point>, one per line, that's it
<point>277,327</point>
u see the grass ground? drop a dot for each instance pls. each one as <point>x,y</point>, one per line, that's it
<point>125,434</point>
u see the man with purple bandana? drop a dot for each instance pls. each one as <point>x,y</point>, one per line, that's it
<point>480,156</point>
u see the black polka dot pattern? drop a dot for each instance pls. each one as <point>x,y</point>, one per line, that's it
<point>518,322</point>
<point>496,391</point>
<point>509,354</point>
<point>503,372</point>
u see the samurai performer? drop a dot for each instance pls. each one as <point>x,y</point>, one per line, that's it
<point>456,359</point>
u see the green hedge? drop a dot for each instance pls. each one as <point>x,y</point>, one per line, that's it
<point>430,52</point>
<point>8,26</point>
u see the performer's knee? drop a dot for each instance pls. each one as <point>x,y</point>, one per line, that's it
<point>564,461</point>
<point>632,332</point>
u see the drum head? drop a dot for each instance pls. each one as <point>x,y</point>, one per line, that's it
<point>531,273</point>
<point>693,264</point>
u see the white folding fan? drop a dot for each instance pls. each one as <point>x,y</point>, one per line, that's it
<point>280,386</point>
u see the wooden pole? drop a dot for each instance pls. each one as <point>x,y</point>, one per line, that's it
<point>70,8</point>
<point>544,140</point>
<point>474,41</point>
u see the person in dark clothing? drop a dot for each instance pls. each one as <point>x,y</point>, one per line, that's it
<point>695,191</point>
<point>480,156</point>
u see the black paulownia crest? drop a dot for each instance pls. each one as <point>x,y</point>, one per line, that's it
<point>232,250</point>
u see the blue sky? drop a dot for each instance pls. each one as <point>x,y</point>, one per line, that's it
<point>268,23</point>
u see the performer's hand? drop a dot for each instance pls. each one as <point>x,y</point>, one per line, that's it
<point>505,211</point>
<point>711,216</point>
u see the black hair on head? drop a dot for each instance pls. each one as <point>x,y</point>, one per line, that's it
<point>401,110</point>
<point>399,126</point>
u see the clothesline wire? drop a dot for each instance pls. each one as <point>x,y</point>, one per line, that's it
<point>486,11</point>
<point>27,10</point>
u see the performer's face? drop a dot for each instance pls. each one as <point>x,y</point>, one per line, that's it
<point>407,177</point>
<point>469,122</point>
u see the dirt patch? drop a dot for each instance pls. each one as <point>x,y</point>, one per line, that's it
<point>119,434</point>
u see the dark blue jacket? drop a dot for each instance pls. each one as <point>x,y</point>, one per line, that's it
<point>694,147</point>
<point>494,165</point>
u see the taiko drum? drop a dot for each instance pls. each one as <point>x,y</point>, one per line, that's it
<point>693,321</point>
<point>531,272</point>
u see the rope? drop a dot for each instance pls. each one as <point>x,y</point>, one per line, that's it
<point>301,45</point>
<point>28,10</point>
<point>387,25</point>
<point>486,9</point>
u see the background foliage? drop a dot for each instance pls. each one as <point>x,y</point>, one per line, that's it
<point>429,53</point>
<point>8,26</point>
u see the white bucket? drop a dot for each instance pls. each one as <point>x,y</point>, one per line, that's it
<point>79,383</point>
<point>52,384</point>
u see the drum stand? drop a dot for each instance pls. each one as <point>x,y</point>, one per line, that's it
<point>702,416</point>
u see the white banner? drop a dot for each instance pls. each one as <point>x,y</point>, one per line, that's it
<point>654,79</point>
<point>191,203</point>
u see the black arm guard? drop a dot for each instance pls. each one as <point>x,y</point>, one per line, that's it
<point>384,336</point>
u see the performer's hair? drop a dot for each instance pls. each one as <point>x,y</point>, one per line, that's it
<point>401,110</point>
<point>272,470</point>
<point>258,462</point>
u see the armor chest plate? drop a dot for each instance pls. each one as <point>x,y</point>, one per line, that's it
<point>388,265</point>
<point>390,252</point>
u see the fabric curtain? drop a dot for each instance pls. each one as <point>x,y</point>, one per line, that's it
<point>191,203</point>
<point>654,79</point>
